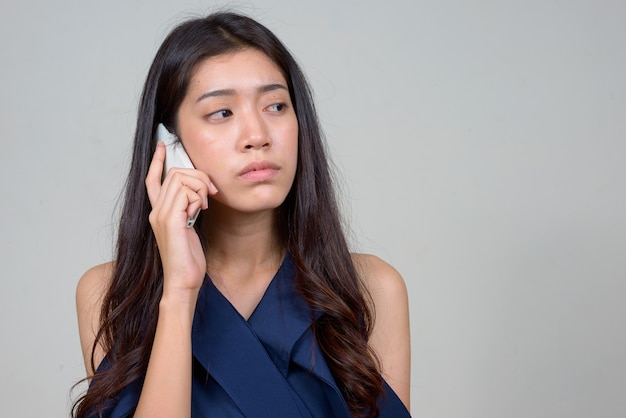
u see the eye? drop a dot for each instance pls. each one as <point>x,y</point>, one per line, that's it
<point>277,107</point>
<point>220,114</point>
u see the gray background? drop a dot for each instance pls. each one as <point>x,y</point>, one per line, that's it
<point>481,146</point>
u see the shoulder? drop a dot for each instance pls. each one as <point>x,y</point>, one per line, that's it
<point>379,276</point>
<point>390,337</point>
<point>91,288</point>
<point>90,292</point>
<point>95,280</point>
<point>387,289</point>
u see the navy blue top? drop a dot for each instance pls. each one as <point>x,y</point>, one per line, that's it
<point>268,366</point>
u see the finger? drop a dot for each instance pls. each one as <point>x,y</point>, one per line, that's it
<point>201,175</point>
<point>184,206</point>
<point>182,196</point>
<point>155,173</point>
<point>193,179</point>
<point>195,203</point>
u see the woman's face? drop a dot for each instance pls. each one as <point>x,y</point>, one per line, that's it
<point>238,125</point>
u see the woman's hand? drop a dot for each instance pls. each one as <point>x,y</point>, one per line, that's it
<point>182,193</point>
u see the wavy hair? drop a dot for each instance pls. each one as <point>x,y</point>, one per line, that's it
<point>309,225</point>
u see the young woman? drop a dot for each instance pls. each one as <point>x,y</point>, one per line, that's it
<point>259,309</point>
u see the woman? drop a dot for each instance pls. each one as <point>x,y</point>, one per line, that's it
<point>259,309</point>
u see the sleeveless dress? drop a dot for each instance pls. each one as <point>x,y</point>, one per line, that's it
<point>268,366</point>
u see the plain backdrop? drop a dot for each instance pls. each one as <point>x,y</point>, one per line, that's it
<point>481,147</point>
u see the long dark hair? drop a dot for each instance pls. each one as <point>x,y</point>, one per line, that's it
<point>309,224</point>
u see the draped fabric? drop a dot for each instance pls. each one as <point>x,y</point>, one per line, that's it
<point>267,366</point>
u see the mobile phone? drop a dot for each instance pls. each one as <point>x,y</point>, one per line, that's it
<point>175,156</point>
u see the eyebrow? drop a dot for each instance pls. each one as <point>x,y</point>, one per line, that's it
<point>231,92</point>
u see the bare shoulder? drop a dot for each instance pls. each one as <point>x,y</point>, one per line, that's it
<point>90,292</point>
<point>386,287</point>
<point>95,281</point>
<point>379,276</point>
<point>390,338</point>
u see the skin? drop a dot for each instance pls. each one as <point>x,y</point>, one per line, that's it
<point>236,111</point>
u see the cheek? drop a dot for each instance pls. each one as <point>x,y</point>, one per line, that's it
<point>210,155</point>
<point>215,168</point>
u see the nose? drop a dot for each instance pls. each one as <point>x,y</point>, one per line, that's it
<point>255,133</point>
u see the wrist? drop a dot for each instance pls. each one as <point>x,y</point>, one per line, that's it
<point>178,302</point>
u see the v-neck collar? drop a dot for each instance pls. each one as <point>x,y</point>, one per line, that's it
<point>253,356</point>
<point>278,321</point>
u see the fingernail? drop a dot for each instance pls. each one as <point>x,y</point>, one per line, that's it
<point>212,188</point>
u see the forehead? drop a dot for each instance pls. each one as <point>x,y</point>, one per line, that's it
<point>237,70</point>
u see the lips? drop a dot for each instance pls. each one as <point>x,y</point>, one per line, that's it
<point>259,171</point>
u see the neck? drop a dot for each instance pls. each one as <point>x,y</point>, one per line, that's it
<point>238,244</point>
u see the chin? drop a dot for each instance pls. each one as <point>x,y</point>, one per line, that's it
<point>253,204</point>
<point>261,206</point>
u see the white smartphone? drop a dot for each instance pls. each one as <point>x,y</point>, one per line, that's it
<point>175,156</point>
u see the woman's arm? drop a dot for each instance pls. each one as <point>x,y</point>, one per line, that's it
<point>166,391</point>
<point>167,387</point>
<point>89,293</point>
<point>390,337</point>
